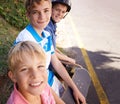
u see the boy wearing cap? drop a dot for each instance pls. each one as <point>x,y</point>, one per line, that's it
<point>60,8</point>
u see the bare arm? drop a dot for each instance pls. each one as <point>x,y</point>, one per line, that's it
<point>60,69</point>
<point>64,57</point>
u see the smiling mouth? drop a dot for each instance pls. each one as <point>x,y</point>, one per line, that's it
<point>41,22</point>
<point>36,84</point>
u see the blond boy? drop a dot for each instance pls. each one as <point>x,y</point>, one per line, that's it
<point>27,64</point>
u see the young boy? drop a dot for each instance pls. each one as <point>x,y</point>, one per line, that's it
<point>27,64</point>
<point>60,9</point>
<point>39,13</point>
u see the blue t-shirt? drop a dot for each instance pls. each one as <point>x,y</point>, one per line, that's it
<point>51,28</point>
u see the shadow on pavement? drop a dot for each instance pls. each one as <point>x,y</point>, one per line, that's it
<point>108,75</point>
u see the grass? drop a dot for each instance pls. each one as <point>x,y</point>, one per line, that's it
<point>13,12</point>
<point>7,36</point>
<point>9,28</point>
<point>12,19</point>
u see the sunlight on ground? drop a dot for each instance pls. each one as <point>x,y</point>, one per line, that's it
<point>65,34</point>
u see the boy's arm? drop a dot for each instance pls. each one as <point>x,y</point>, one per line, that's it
<point>64,57</point>
<point>58,100</point>
<point>60,69</point>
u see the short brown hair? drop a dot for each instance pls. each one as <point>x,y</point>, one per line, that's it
<point>29,4</point>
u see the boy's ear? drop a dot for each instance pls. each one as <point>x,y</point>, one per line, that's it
<point>12,76</point>
<point>27,15</point>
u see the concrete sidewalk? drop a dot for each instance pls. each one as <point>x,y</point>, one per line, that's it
<point>66,38</point>
<point>65,34</point>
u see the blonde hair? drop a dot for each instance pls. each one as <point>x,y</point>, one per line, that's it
<point>18,52</point>
<point>29,4</point>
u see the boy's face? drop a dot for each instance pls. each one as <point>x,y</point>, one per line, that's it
<point>30,75</point>
<point>58,12</point>
<point>40,15</point>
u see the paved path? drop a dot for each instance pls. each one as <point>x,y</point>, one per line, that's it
<point>96,24</point>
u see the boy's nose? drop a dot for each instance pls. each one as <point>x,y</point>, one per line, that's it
<point>34,74</point>
<point>41,15</point>
<point>60,12</point>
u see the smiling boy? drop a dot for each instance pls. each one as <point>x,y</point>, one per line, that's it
<point>27,70</point>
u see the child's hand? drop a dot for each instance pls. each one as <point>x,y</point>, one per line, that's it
<point>71,60</point>
<point>79,98</point>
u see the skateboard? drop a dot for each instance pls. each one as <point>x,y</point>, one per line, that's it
<point>82,79</point>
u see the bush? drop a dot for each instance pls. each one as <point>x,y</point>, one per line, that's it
<point>13,11</point>
<point>7,36</point>
<point>5,44</point>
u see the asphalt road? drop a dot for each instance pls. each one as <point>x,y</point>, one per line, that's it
<point>94,27</point>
